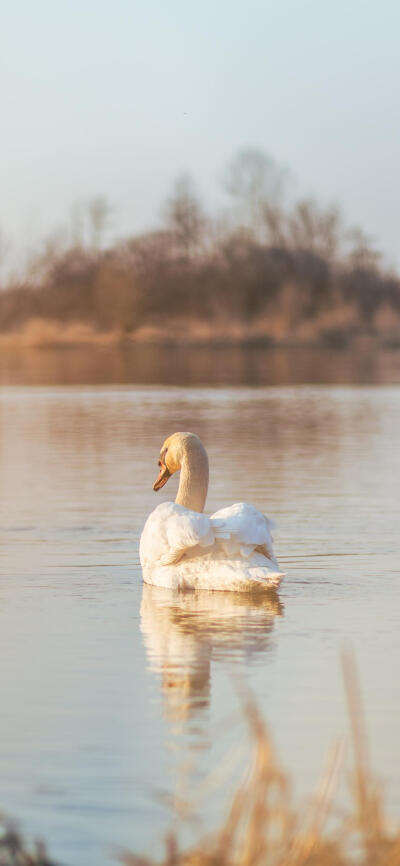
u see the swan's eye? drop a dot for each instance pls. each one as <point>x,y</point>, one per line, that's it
<point>159,463</point>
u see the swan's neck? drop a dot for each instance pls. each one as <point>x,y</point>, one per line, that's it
<point>193,483</point>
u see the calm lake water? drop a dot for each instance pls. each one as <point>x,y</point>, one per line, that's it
<point>111,691</point>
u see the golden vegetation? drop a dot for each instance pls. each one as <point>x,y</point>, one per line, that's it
<point>263,272</point>
<point>262,827</point>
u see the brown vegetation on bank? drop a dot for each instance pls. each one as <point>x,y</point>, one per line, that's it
<point>264,272</point>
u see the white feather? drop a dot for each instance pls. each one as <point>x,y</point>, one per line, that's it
<point>171,531</point>
<point>231,550</point>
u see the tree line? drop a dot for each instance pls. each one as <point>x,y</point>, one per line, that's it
<point>277,269</point>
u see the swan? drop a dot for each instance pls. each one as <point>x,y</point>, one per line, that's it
<point>182,548</point>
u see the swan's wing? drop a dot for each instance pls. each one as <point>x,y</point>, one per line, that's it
<point>242,528</point>
<point>170,531</point>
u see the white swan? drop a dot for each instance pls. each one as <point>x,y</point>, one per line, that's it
<point>182,548</point>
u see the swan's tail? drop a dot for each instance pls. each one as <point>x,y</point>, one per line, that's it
<point>263,578</point>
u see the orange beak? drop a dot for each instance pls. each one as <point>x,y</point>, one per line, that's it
<point>162,477</point>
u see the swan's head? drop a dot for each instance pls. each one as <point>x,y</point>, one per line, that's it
<point>172,454</point>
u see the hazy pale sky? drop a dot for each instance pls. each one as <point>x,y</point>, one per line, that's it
<point>117,97</point>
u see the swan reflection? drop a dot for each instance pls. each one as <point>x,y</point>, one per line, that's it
<point>184,633</point>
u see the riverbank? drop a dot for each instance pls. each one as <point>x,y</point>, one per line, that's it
<point>47,333</point>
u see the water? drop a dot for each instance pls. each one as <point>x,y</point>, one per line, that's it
<point>219,365</point>
<point>111,690</point>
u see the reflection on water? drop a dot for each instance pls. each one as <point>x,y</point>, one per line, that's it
<point>184,632</point>
<point>106,684</point>
<point>211,365</point>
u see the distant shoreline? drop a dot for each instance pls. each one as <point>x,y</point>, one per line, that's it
<point>50,334</point>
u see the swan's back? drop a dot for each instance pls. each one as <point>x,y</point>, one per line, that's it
<point>242,528</point>
<point>231,550</point>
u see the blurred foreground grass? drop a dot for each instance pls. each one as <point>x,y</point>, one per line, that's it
<point>262,827</point>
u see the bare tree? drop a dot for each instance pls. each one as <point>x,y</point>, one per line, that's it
<point>77,224</point>
<point>363,254</point>
<point>276,224</point>
<point>99,211</point>
<point>315,229</point>
<point>39,264</point>
<point>185,218</point>
<point>255,183</point>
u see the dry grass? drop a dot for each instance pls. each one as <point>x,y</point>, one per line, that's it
<point>263,829</point>
<point>337,326</point>
<point>40,333</point>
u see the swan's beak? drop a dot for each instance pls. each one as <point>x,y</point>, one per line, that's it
<point>162,478</point>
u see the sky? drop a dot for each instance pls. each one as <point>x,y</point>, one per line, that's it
<point>119,98</point>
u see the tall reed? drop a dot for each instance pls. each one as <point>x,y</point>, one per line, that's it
<point>263,828</point>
